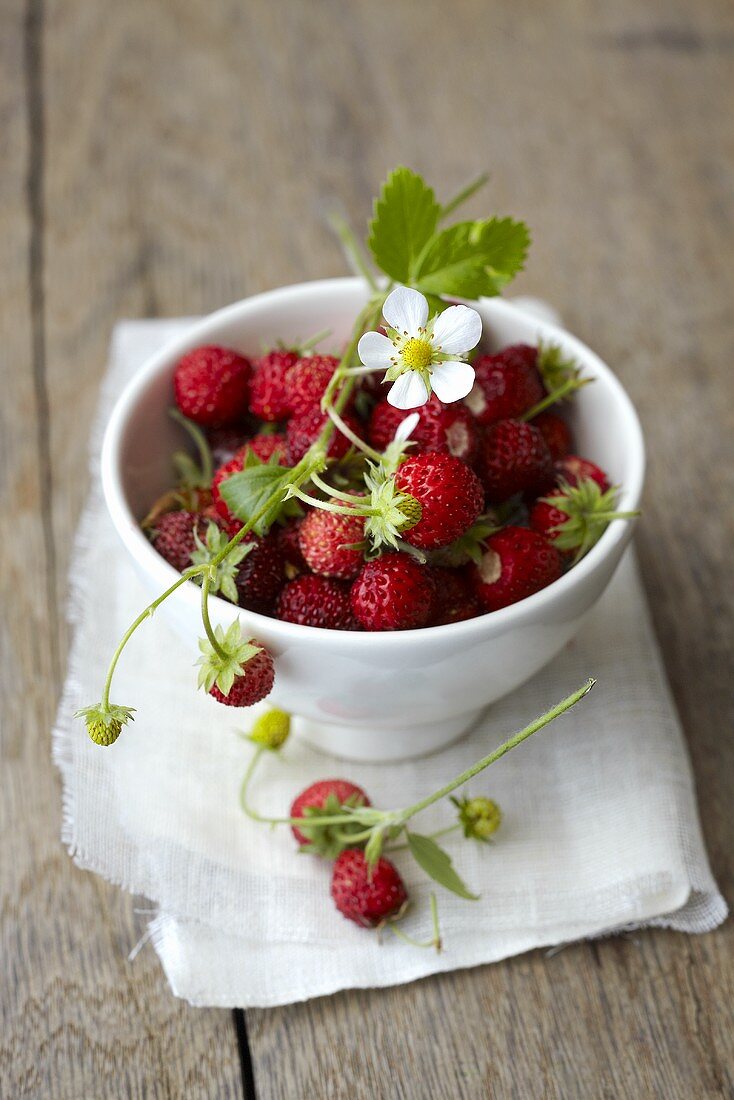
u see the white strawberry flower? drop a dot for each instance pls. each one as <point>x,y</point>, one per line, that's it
<point>421,356</point>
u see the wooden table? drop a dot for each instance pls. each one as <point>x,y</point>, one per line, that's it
<point>164,158</point>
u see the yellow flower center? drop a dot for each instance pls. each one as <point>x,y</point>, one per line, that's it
<point>417,353</point>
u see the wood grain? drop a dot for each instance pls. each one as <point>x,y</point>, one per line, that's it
<point>77,1020</point>
<point>166,159</point>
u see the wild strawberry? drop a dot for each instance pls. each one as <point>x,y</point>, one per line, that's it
<point>264,447</point>
<point>341,791</point>
<point>506,384</point>
<point>211,385</point>
<point>252,686</point>
<point>453,601</point>
<point>393,592</point>
<point>367,895</point>
<point>572,469</point>
<point>219,505</point>
<point>574,517</point>
<point>316,601</point>
<point>287,536</point>
<point>325,539</point>
<point>440,428</point>
<point>449,493</point>
<point>306,382</point>
<point>514,458</point>
<point>172,535</point>
<point>516,563</point>
<point>304,430</point>
<point>555,432</point>
<point>268,396</point>
<point>261,574</point>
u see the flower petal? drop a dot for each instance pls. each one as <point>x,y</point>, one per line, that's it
<point>408,391</point>
<point>375,350</point>
<point>457,330</point>
<point>406,427</point>
<point>405,310</point>
<point>452,380</point>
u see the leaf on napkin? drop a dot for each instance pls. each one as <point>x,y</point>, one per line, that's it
<point>437,863</point>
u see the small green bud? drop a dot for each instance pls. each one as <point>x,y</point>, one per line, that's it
<point>271,729</point>
<point>479,817</point>
<point>104,733</point>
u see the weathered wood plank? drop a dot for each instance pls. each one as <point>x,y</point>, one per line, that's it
<point>77,1020</point>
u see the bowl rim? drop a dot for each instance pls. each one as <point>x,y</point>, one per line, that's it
<point>205,329</point>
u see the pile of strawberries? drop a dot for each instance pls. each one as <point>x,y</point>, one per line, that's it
<point>491,485</point>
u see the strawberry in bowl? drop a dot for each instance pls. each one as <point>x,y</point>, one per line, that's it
<point>382,528</point>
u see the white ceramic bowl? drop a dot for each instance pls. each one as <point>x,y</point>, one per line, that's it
<point>374,696</point>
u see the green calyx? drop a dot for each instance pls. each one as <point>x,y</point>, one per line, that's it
<point>105,722</point>
<point>223,574</point>
<point>480,818</point>
<point>223,668</point>
<point>589,511</point>
<point>468,547</point>
<point>271,730</point>
<point>556,369</point>
<point>390,512</point>
<point>326,839</point>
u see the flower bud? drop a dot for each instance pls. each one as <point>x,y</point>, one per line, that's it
<point>479,817</point>
<point>271,729</point>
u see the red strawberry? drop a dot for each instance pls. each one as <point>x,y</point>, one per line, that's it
<point>514,458</point>
<point>268,397</point>
<point>264,447</point>
<point>449,493</point>
<point>306,382</point>
<point>573,469</point>
<point>324,539</point>
<point>516,563</point>
<point>453,601</point>
<point>254,685</point>
<point>317,794</point>
<point>544,517</point>
<point>368,896</point>
<point>211,385</point>
<point>392,592</point>
<point>172,535</point>
<point>440,428</point>
<point>506,384</point>
<point>219,506</point>
<point>287,536</point>
<point>261,573</point>
<point>555,432</point>
<point>316,601</point>
<point>304,430</point>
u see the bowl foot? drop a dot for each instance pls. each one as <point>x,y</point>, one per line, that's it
<point>378,746</point>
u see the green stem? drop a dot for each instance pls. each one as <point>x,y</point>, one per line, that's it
<point>435,942</point>
<point>352,436</point>
<point>495,755</point>
<point>206,620</point>
<point>348,498</point>
<point>352,249</point>
<point>463,195</point>
<point>145,614</point>
<point>200,440</point>
<point>555,396</point>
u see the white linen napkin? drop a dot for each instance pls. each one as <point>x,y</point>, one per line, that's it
<point>600,828</point>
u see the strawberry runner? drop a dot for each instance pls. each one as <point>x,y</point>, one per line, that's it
<point>613,840</point>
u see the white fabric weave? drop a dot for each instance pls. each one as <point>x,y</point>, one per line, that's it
<point>600,827</point>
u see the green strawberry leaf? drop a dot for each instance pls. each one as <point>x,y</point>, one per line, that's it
<point>437,863</point>
<point>472,259</point>
<point>405,218</point>
<point>246,492</point>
